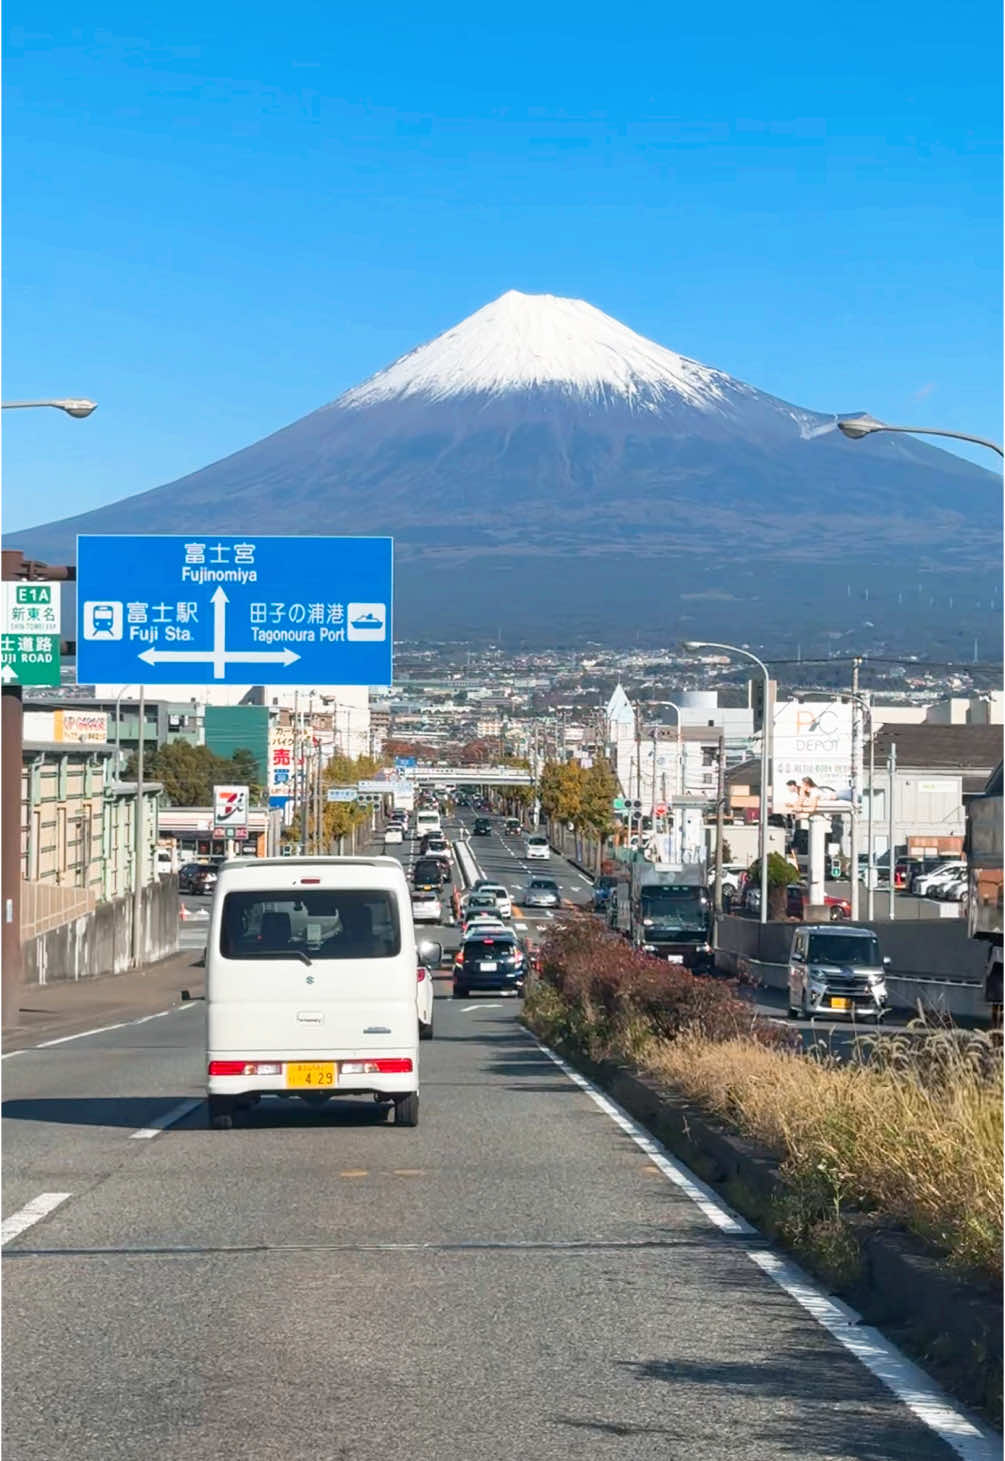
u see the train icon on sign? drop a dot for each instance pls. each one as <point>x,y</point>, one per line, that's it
<point>103,619</point>
<point>366,621</point>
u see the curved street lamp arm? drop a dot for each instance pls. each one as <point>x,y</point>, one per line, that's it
<point>933,431</point>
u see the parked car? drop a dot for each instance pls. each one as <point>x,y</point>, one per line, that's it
<point>185,875</point>
<point>924,883</point>
<point>537,848</point>
<point>489,961</point>
<point>202,881</point>
<point>482,827</point>
<point>540,893</point>
<point>951,890</point>
<point>797,901</point>
<point>427,906</point>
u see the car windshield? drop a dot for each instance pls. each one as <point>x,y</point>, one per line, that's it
<point>843,948</point>
<point>543,885</point>
<point>673,907</point>
<point>350,923</point>
<point>427,867</point>
<point>488,948</point>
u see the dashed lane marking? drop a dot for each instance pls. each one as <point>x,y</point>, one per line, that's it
<point>176,1113</point>
<point>101,1030</point>
<point>31,1213</point>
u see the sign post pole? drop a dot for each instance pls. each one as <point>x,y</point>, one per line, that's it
<point>138,858</point>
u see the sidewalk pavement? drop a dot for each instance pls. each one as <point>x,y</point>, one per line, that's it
<point>70,1007</point>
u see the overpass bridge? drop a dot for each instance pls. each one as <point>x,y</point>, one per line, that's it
<point>466,776</point>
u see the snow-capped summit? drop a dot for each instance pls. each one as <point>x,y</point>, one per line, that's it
<point>541,464</point>
<point>526,342</point>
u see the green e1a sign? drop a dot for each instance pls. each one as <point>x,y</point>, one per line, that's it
<point>29,633</point>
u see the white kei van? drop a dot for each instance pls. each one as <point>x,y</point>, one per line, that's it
<point>311,970</point>
<point>426,821</point>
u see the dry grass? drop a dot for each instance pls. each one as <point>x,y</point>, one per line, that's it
<point>912,1131</point>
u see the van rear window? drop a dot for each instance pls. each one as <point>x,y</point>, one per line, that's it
<point>343,923</point>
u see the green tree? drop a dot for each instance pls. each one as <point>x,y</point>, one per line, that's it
<point>188,773</point>
<point>562,790</point>
<point>780,874</point>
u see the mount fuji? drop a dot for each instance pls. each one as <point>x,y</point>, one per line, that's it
<point>545,469</point>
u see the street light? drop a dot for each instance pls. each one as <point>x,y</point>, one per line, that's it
<point>79,409</point>
<point>762,837</point>
<point>863,424</point>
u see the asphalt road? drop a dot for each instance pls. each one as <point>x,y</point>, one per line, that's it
<point>515,1277</point>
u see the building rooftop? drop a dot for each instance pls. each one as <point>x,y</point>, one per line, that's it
<point>976,748</point>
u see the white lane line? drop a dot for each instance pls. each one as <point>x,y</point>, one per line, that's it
<point>101,1030</point>
<point>520,925</point>
<point>910,1384</point>
<point>968,1438</point>
<point>162,1122</point>
<point>32,1212</point>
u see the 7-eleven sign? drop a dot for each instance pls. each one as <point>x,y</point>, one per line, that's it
<point>230,808</point>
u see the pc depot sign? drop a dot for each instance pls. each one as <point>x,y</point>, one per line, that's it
<point>202,609</point>
<point>30,633</point>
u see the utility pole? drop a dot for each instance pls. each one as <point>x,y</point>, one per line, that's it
<point>891,765</point>
<point>854,788</point>
<point>720,820</point>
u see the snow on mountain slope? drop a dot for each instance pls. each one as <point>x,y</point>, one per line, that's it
<point>523,342</point>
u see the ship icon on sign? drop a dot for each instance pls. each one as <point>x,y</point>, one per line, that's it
<point>366,621</point>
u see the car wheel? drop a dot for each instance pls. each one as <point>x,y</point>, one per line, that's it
<point>406,1109</point>
<point>221,1113</point>
<point>425,1031</point>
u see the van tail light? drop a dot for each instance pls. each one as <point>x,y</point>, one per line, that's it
<point>421,974</point>
<point>245,1067</point>
<point>393,1065</point>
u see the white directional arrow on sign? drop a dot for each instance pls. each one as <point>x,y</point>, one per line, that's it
<point>8,673</point>
<point>219,656</point>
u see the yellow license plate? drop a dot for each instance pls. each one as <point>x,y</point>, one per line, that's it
<point>309,1074</point>
<point>840,1004</point>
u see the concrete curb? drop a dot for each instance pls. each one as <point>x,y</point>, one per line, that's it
<point>952,1325</point>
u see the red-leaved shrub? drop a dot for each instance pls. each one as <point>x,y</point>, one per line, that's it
<point>607,982</point>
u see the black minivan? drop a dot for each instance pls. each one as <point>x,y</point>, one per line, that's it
<point>430,873</point>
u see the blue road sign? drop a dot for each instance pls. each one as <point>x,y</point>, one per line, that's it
<point>404,763</point>
<point>259,610</point>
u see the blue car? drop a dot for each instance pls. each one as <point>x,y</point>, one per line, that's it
<point>603,892</point>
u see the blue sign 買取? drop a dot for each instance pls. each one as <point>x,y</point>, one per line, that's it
<point>208,609</point>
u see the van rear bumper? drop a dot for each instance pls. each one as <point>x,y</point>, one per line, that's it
<point>271,1083</point>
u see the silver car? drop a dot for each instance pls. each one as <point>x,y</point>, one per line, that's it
<point>541,893</point>
<point>836,972</point>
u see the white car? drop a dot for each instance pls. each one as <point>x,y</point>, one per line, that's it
<point>951,890</point>
<point>925,884</point>
<point>504,904</point>
<point>424,997</point>
<point>537,849</point>
<point>392,834</point>
<point>426,907</point>
<point>483,923</point>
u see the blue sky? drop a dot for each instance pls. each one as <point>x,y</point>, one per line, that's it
<point>218,217</point>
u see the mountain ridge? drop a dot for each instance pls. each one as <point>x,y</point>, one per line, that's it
<point>539,432</point>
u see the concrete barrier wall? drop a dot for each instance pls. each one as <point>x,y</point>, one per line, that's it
<point>100,942</point>
<point>935,962</point>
